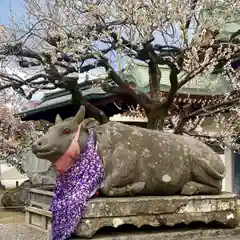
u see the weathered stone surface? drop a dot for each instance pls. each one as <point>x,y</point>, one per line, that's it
<point>15,199</point>
<point>139,161</point>
<point>39,171</point>
<point>176,234</point>
<point>153,211</point>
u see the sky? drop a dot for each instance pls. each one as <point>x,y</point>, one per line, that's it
<point>17,7</point>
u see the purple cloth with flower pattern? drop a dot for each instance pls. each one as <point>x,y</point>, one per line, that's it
<point>74,189</point>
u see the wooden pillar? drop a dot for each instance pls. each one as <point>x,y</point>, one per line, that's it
<point>228,159</point>
<point>236,169</point>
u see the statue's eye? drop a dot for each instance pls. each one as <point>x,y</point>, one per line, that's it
<point>67,131</point>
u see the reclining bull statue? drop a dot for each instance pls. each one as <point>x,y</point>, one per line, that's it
<point>139,161</point>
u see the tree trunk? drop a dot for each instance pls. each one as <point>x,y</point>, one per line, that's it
<point>99,115</point>
<point>156,119</point>
<point>154,81</point>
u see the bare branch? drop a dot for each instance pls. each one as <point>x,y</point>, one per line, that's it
<point>119,81</point>
<point>154,80</point>
<point>216,108</point>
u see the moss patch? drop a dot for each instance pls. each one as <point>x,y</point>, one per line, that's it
<point>7,216</point>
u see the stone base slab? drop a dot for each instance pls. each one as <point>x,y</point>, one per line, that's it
<point>139,211</point>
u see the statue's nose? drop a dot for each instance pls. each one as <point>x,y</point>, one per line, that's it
<point>38,144</point>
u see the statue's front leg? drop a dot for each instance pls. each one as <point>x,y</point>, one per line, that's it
<point>126,191</point>
<point>119,182</point>
<point>129,190</point>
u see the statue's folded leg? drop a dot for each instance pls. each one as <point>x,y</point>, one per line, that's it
<point>128,190</point>
<point>192,188</point>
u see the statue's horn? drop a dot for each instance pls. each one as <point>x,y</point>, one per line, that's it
<point>79,117</point>
<point>58,119</point>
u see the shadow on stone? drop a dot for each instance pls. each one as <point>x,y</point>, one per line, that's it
<point>128,228</point>
<point>196,230</point>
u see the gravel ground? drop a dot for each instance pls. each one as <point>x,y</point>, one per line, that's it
<point>22,232</point>
<point>12,227</point>
<point>19,232</point>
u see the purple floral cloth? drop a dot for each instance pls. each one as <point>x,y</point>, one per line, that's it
<point>74,189</point>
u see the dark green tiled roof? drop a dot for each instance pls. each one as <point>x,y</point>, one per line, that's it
<point>200,85</point>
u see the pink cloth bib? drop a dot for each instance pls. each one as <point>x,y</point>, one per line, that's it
<point>68,158</point>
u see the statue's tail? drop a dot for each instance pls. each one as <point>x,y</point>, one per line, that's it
<point>216,173</point>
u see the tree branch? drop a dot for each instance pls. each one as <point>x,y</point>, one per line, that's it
<point>207,110</point>
<point>123,85</point>
<point>203,112</point>
<point>183,119</point>
<point>17,50</point>
<point>16,83</point>
<point>154,80</point>
<point>122,93</point>
<point>173,77</point>
<point>193,6</point>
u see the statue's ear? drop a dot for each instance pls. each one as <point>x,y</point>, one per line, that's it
<point>79,117</point>
<point>58,119</point>
<point>89,123</point>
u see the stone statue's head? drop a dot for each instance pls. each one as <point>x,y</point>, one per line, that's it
<point>59,137</point>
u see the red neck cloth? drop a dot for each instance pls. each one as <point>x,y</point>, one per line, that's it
<point>68,158</point>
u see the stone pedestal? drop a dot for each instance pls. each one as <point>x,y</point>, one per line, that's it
<point>139,211</point>
<point>39,171</point>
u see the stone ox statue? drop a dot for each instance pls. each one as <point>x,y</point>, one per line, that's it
<point>138,161</point>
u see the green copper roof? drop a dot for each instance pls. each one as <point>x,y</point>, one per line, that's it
<point>64,98</point>
<point>231,24</point>
<point>200,85</point>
